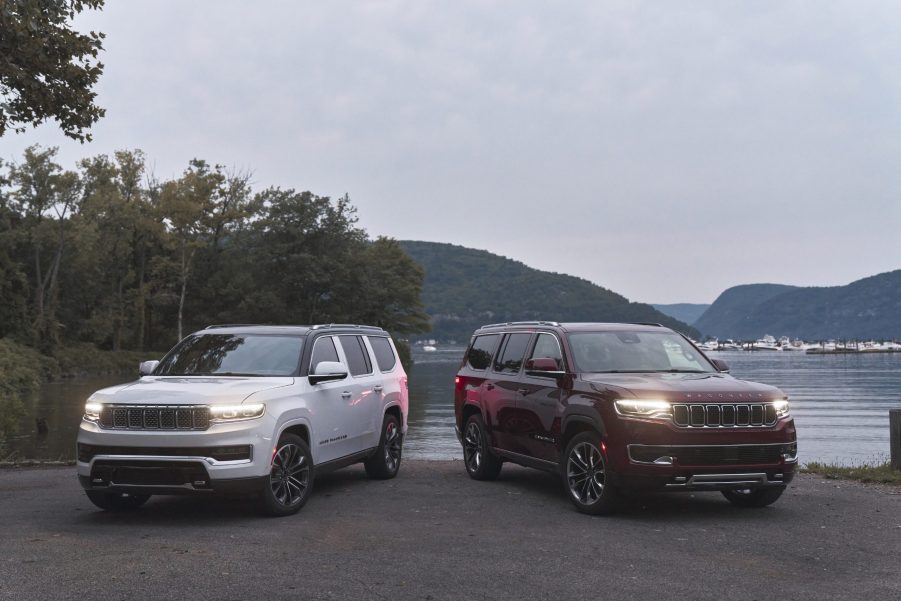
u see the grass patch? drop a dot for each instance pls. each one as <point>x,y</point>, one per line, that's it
<point>880,474</point>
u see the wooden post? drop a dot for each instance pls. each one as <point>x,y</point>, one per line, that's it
<point>894,420</point>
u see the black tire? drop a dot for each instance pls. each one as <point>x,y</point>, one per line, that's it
<point>585,476</point>
<point>760,497</point>
<point>116,501</point>
<point>385,461</point>
<point>480,462</point>
<point>290,480</point>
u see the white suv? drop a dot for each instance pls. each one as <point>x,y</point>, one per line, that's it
<point>257,410</point>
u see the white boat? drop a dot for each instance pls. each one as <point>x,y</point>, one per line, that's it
<point>767,343</point>
<point>429,348</point>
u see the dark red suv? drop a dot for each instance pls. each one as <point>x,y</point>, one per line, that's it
<point>616,406</point>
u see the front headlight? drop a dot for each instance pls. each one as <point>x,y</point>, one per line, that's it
<point>231,413</point>
<point>92,411</point>
<point>648,408</point>
<point>781,408</point>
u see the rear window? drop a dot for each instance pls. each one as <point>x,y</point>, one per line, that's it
<point>384,354</point>
<point>482,351</point>
<point>357,357</point>
<point>514,351</point>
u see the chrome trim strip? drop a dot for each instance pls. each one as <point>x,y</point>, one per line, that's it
<point>208,460</point>
<point>680,446</point>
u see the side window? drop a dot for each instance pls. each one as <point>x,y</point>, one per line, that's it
<point>323,350</point>
<point>384,354</point>
<point>357,357</point>
<point>482,351</point>
<point>547,346</point>
<point>514,351</point>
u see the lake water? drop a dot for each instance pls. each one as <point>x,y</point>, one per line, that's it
<point>840,404</point>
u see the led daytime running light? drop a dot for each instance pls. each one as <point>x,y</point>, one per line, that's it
<point>221,413</point>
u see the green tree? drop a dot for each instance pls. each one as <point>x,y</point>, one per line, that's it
<point>47,69</point>
<point>45,197</point>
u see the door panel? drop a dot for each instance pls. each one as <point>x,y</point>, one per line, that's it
<point>540,403</point>
<point>332,408</point>
<point>500,392</point>
<point>365,402</point>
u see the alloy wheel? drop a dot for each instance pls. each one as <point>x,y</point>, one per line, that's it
<point>290,475</point>
<point>585,473</point>
<point>392,446</point>
<point>472,447</point>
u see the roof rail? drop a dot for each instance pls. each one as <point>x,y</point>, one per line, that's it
<point>322,326</point>
<point>645,323</point>
<point>522,323</point>
<point>230,325</point>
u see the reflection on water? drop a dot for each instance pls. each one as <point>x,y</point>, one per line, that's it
<point>840,404</point>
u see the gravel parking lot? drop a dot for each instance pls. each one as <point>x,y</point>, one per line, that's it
<point>432,533</point>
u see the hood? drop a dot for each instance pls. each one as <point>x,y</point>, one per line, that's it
<point>180,390</point>
<point>706,387</point>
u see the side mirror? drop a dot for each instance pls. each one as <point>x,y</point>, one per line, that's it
<point>720,365</point>
<point>544,367</point>
<point>145,368</point>
<point>326,371</point>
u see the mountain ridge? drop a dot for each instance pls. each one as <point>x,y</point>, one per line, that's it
<point>866,308</point>
<point>465,288</point>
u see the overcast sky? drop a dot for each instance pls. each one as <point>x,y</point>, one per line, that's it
<point>664,150</point>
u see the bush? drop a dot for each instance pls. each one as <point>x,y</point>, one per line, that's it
<point>22,370</point>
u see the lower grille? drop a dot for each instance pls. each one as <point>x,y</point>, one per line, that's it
<point>730,415</point>
<point>86,452</point>
<point>155,417</point>
<point>150,473</point>
<point>713,455</point>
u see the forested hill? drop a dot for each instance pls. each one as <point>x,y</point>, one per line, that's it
<point>867,308</point>
<point>728,314</point>
<point>684,312</point>
<point>465,288</point>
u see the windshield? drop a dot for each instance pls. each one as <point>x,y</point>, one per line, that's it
<point>233,355</point>
<point>635,352</point>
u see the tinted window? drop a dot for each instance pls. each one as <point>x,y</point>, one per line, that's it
<point>384,354</point>
<point>547,347</point>
<point>323,350</point>
<point>357,357</point>
<point>482,351</point>
<point>233,354</point>
<point>514,351</point>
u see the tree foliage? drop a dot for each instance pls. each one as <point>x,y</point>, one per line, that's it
<point>107,255</point>
<point>47,69</point>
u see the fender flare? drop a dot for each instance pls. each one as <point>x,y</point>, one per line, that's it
<point>586,415</point>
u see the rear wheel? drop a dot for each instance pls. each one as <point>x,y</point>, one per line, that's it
<point>585,476</point>
<point>290,480</point>
<point>747,497</point>
<point>385,462</point>
<point>113,501</point>
<point>480,462</point>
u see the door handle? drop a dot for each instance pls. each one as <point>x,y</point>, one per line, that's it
<point>523,391</point>
<point>345,394</point>
<point>377,388</point>
<point>489,386</point>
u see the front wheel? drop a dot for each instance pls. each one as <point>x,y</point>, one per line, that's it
<point>290,479</point>
<point>113,501</point>
<point>585,476</point>
<point>385,461</point>
<point>746,497</point>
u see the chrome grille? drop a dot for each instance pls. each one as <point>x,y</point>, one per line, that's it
<point>751,415</point>
<point>155,417</point>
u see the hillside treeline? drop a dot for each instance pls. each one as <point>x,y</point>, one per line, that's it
<point>110,255</point>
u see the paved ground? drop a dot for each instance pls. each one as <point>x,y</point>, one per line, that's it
<point>433,533</point>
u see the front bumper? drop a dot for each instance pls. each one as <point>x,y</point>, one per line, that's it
<point>228,457</point>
